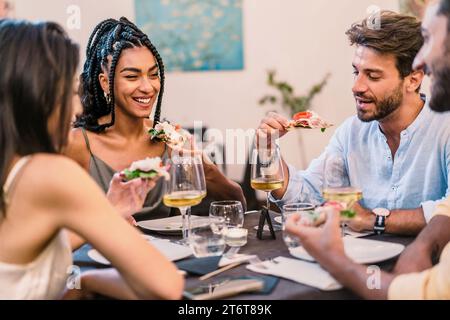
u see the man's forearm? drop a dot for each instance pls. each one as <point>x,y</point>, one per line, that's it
<point>366,283</point>
<point>406,222</point>
<point>436,235</point>
<point>403,222</point>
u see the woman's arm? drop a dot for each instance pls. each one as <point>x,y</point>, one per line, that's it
<point>220,187</point>
<point>81,207</point>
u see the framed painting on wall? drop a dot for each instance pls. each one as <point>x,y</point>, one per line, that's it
<point>194,35</point>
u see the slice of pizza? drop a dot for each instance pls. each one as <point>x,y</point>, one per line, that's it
<point>308,120</point>
<point>149,168</point>
<point>172,135</point>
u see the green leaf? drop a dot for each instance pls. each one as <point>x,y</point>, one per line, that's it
<point>155,133</point>
<point>323,129</point>
<point>148,175</point>
<point>130,175</point>
<point>348,214</point>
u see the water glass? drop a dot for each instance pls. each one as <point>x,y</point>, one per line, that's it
<point>231,211</point>
<point>206,237</point>
<point>289,210</point>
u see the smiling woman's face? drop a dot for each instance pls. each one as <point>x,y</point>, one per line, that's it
<point>136,82</point>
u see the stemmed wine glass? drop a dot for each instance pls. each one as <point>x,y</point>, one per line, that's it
<point>185,188</point>
<point>267,169</point>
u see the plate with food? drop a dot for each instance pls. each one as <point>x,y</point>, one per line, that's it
<point>308,120</point>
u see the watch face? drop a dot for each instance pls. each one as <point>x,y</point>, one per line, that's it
<point>381,212</point>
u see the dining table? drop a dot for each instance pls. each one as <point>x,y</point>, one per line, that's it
<point>266,248</point>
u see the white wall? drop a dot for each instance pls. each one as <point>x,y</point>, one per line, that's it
<point>302,40</point>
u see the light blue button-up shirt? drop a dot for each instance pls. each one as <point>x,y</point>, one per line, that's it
<point>417,176</point>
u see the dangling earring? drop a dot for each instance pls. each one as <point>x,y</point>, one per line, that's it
<point>107,97</point>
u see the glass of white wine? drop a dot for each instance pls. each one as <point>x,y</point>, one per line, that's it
<point>337,188</point>
<point>185,188</point>
<point>267,169</point>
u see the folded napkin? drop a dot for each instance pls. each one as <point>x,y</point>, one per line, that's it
<point>199,266</point>
<point>299,271</point>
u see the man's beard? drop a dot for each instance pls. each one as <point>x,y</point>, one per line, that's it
<point>383,107</point>
<point>440,88</point>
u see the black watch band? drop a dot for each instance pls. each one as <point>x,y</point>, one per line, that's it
<point>380,224</point>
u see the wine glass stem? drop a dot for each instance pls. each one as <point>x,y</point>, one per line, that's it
<point>186,221</point>
<point>267,202</point>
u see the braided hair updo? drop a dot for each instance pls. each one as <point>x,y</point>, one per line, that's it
<point>109,38</point>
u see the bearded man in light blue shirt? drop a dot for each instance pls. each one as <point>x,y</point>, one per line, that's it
<point>395,149</point>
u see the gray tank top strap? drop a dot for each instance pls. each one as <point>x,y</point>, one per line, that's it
<point>94,159</point>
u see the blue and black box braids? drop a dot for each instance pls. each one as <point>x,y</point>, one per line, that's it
<point>108,39</point>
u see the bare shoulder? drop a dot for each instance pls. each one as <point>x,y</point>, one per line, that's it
<point>77,148</point>
<point>55,177</point>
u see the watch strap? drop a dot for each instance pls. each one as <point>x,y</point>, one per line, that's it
<point>380,224</point>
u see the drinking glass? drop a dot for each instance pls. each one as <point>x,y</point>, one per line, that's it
<point>231,211</point>
<point>206,237</point>
<point>184,188</point>
<point>337,187</point>
<point>233,215</point>
<point>294,209</point>
<point>267,169</point>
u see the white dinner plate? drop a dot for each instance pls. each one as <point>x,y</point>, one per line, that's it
<point>171,250</point>
<point>169,226</point>
<point>363,251</point>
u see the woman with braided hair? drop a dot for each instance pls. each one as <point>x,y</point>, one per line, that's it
<point>123,77</point>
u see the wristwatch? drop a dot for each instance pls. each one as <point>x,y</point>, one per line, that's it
<point>381,215</point>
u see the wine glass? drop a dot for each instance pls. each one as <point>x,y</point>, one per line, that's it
<point>198,160</point>
<point>185,188</point>
<point>267,169</point>
<point>337,188</point>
